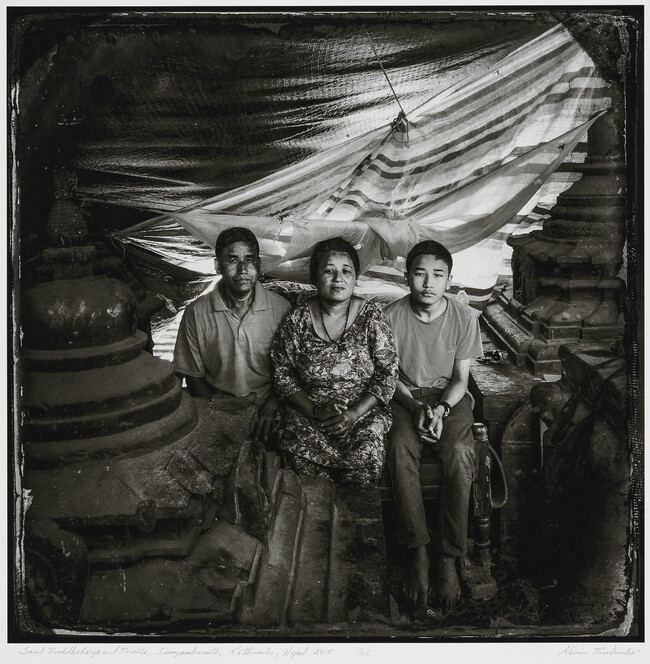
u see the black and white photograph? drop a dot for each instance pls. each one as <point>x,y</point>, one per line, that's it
<point>325,328</point>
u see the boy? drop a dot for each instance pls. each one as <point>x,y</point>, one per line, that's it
<point>224,338</point>
<point>436,338</point>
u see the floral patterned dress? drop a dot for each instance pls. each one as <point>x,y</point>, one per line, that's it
<point>362,360</point>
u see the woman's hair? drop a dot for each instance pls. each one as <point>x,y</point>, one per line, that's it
<point>337,244</point>
<point>235,234</point>
<point>432,248</point>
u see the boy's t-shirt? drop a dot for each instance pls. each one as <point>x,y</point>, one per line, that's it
<point>427,350</point>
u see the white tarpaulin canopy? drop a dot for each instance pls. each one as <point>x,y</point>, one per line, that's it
<point>458,168</point>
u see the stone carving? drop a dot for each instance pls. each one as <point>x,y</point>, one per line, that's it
<point>586,471</point>
<point>567,285</point>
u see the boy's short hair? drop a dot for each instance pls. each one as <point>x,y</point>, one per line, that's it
<point>337,244</point>
<point>236,234</point>
<point>432,248</point>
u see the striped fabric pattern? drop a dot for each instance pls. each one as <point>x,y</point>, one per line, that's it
<point>458,169</point>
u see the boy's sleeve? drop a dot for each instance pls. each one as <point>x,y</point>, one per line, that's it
<point>469,342</point>
<point>187,355</point>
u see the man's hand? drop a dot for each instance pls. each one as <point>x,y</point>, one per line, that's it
<point>261,425</point>
<point>435,425</point>
<point>428,423</point>
<point>422,417</point>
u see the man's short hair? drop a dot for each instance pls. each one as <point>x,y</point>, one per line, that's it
<point>432,248</point>
<point>236,234</point>
<point>323,247</point>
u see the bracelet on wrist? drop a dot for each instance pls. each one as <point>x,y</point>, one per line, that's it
<point>446,408</point>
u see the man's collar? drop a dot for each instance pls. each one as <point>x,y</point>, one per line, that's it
<point>216,300</point>
<point>259,303</point>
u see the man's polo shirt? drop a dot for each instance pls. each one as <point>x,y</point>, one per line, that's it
<point>232,355</point>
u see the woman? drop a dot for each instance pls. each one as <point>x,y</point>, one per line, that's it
<point>335,367</point>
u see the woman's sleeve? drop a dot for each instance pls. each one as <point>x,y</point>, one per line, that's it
<point>284,357</point>
<point>384,354</point>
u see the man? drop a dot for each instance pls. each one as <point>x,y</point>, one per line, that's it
<point>436,338</point>
<point>224,339</point>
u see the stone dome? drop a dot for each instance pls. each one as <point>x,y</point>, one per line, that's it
<point>77,313</point>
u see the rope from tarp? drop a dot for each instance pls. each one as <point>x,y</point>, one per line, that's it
<point>385,73</point>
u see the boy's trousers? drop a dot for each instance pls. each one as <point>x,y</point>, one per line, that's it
<point>456,452</point>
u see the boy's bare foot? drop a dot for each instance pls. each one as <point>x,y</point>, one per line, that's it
<point>416,583</point>
<point>447,583</point>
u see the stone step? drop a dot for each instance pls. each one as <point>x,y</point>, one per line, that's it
<point>88,498</point>
<point>80,359</point>
<point>172,541</point>
<point>325,559</point>
<point>104,423</point>
<point>65,394</point>
<point>265,604</point>
<point>166,428</point>
<point>357,585</point>
<point>309,595</point>
<point>198,587</point>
